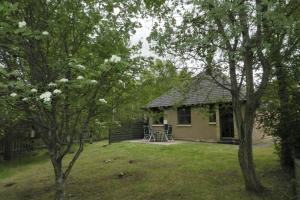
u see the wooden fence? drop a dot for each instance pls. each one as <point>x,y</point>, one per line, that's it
<point>129,131</point>
<point>20,145</point>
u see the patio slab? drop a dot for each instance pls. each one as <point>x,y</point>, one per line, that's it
<point>160,143</point>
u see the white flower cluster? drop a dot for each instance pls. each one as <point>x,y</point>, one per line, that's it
<point>25,99</point>
<point>57,91</point>
<point>115,59</point>
<point>80,77</point>
<point>80,66</point>
<point>46,96</point>
<point>52,84</point>
<point>13,94</point>
<point>94,81</point>
<point>63,80</point>
<point>22,24</point>
<point>33,90</point>
<point>2,66</point>
<point>122,83</point>
<point>45,33</point>
<point>103,101</point>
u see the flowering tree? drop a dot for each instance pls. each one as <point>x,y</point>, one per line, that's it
<point>59,61</point>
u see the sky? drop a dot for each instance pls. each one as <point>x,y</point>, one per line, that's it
<point>142,34</point>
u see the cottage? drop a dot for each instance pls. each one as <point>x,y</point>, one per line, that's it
<point>201,111</point>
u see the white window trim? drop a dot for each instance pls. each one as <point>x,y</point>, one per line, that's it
<point>157,125</point>
<point>184,125</point>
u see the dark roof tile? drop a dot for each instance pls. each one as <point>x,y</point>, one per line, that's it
<point>201,90</point>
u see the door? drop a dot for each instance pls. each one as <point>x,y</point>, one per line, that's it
<point>226,121</point>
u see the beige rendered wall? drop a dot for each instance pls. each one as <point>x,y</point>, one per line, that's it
<point>199,130</point>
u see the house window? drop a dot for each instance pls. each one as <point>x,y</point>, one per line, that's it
<point>158,116</point>
<point>212,114</point>
<point>184,115</point>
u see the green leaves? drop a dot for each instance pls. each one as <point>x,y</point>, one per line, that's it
<point>154,4</point>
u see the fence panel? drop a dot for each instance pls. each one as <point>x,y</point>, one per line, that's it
<point>129,131</point>
<point>19,145</point>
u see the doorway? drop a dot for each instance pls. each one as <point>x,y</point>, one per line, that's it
<point>226,121</point>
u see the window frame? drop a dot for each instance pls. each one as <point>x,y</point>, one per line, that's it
<point>184,117</point>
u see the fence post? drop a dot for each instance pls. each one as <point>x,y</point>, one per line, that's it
<point>109,136</point>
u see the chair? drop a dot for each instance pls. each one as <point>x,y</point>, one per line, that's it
<point>146,132</point>
<point>168,133</point>
<point>149,133</point>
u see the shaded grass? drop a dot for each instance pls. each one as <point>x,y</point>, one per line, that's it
<point>22,162</point>
<point>144,171</point>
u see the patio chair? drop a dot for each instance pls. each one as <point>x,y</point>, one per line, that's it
<point>153,135</point>
<point>147,133</point>
<point>168,133</point>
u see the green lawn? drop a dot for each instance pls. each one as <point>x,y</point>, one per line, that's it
<point>191,171</point>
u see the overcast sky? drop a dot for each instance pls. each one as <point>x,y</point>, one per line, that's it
<point>142,34</point>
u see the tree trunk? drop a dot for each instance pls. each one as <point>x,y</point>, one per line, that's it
<point>59,179</point>
<point>245,155</point>
<point>60,188</point>
<point>244,124</point>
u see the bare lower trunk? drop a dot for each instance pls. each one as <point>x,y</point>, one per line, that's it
<point>60,188</point>
<point>247,166</point>
<point>59,179</point>
<point>245,154</point>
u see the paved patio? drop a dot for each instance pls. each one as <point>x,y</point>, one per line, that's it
<point>160,143</point>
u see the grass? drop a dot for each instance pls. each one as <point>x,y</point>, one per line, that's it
<point>131,171</point>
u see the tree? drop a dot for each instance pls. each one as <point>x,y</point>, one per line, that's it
<point>285,42</point>
<point>152,78</point>
<point>67,55</point>
<point>234,38</point>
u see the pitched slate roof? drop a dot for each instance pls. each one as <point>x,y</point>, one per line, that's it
<point>203,89</point>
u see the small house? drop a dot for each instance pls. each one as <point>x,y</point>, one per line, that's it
<point>200,111</point>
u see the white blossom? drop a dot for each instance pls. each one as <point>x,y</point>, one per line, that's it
<point>22,24</point>
<point>57,91</point>
<point>80,77</point>
<point>63,80</point>
<point>45,33</point>
<point>52,84</point>
<point>46,96</point>
<point>13,94</point>
<point>106,61</point>
<point>94,81</point>
<point>115,59</point>
<point>80,66</point>
<point>25,99</point>
<point>2,66</point>
<point>122,83</point>
<point>33,90</point>
<point>103,101</point>
<point>118,123</point>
